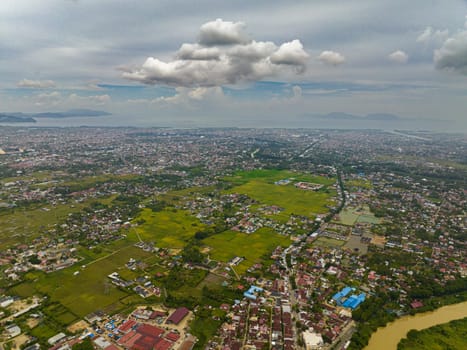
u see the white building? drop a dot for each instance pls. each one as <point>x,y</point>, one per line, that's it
<point>313,341</point>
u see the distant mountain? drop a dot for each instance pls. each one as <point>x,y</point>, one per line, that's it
<point>382,116</point>
<point>340,116</point>
<point>8,118</point>
<point>372,116</point>
<point>72,113</point>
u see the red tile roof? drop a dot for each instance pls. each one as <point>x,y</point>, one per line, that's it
<point>129,339</point>
<point>112,347</point>
<point>126,326</point>
<point>172,336</point>
<point>178,315</point>
<point>149,330</point>
<point>163,345</point>
<point>145,343</point>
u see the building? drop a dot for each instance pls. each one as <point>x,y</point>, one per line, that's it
<point>354,301</point>
<point>251,293</point>
<point>178,315</point>
<point>340,295</point>
<point>312,340</point>
<point>56,338</point>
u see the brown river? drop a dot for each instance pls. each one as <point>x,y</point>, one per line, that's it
<point>388,337</point>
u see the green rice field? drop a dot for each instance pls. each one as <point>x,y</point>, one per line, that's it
<point>253,247</point>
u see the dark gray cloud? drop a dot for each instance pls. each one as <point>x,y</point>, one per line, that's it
<point>453,53</point>
<point>223,55</point>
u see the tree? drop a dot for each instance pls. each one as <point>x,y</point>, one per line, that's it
<point>192,254</point>
<point>33,259</point>
<point>86,344</point>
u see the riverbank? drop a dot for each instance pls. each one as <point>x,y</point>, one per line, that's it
<point>388,337</point>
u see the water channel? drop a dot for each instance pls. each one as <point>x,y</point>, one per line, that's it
<point>387,338</point>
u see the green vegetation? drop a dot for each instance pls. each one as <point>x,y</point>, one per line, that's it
<point>446,336</point>
<point>273,175</point>
<point>328,242</point>
<point>260,185</point>
<point>44,331</point>
<point>350,215</point>
<point>169,228</point>
<point>366,184</point>
<point>59,314</point>
<point>86,344</point>
<point>204,327</point>
<point>88,291</point>
<point>252,247</point>
<point>20,225</point>
<point>347,217</point>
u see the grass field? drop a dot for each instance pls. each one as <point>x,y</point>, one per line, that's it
<point>349,216</point>
<point>273,175</point>
<point>230,244</point>
<point>328,242</point>
<point>21,225</point>
<point>354,184</point>
<point>168,228</point>
<point>259,185</point>
<point>369,219</point>
<point>90,290</point>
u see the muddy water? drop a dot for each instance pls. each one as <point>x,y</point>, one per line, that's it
<point>386,338</point>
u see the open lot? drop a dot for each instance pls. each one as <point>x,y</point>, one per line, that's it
<point>260,185</point>
<point>328,242</point>
<point>350,215</point>
<point>230,244</point>
<point>168,228</point>
<point>347,217</point>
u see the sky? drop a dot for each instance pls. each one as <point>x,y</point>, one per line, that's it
<point>238,63</point>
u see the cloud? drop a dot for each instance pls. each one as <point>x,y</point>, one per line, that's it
<point>290,53</point>
<point>36,84</point>
<point>297,91</point>
<point>223,55</point>
<point>453,53</point>
<point>55,98</point>
<point>430,35</point>
<point>188,96</point>
<point>398,57</point>
<point>95,99</point>
<point>221,32</point>
<point>331,57</point>
<point>48,99</point>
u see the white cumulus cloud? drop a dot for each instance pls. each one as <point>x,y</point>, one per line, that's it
<point>331,57</point>
<point>221,32</point>
<point>399,56</point>
<point>36,84</point>
<point>291,53</point>
<point>223,55</point>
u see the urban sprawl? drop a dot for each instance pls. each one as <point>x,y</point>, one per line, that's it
<point>158,239</point>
